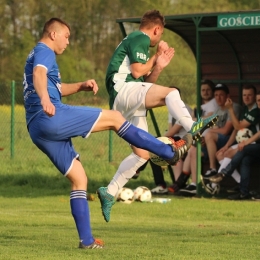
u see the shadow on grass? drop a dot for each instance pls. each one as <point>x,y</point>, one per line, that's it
<point>39,185</point>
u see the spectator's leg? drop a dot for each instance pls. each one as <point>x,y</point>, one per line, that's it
<point>211,143</point>
<point>158,175</point>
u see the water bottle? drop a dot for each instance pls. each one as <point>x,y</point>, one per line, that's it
<point>161,200</point>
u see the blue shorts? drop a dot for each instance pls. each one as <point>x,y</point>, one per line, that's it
<point>222,140</point>
<point>52,135</point>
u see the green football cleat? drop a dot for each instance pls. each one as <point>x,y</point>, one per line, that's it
<point>107,201</point>
<point>201,125</point>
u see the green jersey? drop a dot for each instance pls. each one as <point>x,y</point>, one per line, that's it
<point>251,116</point>
<point>133,48</point>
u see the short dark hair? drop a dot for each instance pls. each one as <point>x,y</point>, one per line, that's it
<point>209,83</point>
<point>250,87</point>
<point>50,22</point>
<point>152,17</point>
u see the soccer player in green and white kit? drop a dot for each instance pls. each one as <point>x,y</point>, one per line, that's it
<point>130,79</point>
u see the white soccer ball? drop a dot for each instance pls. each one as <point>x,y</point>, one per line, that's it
<point>142,194</point>
<point>125,195</point>
<point>243,134</point>
<point>157,159</point>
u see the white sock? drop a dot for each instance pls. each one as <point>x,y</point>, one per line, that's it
<point>213,184</point>
<point>224,163</point>
<point>178,110</point>
<point>193,183</point>
<point>125,172</point>
<point>236,176</point>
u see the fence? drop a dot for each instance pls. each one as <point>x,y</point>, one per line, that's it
<point>16,142</point>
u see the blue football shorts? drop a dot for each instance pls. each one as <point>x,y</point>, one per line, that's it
<point>52,135</point>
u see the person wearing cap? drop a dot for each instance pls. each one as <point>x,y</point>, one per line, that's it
<point>214,139</point>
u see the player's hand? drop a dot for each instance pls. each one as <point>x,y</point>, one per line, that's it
<point>241,146</point>
<point>222,150</point>
<point>90,85</point>
<point>164,59</point>
<point>229,103</point>
<point>162,46</point>
<point>48,107</point>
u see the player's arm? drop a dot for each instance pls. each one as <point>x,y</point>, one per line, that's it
<point>141,69</point>
<point>236,123</point>
<point>72,88</point>
<point>40,86</point>
<point>230,141</point>
<point>162,61</point>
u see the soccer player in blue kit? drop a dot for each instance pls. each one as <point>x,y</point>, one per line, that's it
<point>52,124</point>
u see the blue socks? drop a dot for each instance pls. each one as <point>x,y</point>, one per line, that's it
<point>80,213</point>
<point>144,140</point>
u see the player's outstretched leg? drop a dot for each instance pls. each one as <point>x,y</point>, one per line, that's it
<point>106,201</point>
<point>201,125</point>
<point>178,110</point>
<point>180,148</point>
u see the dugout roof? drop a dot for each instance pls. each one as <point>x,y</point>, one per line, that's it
<point>225,45</point>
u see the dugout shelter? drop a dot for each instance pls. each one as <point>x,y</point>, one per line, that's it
<point>225,46</point>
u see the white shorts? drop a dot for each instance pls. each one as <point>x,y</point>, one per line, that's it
<point>130,101</point>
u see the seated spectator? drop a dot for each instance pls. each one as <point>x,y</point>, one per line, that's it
<point>218,136</point>
<point>248,153</point>
<point>215,138</point>
<point>209,106</point>
<point>248,119</point>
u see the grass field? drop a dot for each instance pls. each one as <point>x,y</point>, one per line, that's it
<point>42,228</point>
<point>35,219</point>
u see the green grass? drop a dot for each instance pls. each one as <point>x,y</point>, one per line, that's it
<point>42,228</point>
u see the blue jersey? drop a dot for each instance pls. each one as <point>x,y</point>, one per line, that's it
<point>43,56</point>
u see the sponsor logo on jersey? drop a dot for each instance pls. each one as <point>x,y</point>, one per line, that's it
<point>141,56</point>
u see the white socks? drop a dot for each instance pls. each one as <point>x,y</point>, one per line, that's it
<point>125,172</point>
<point>178,110</point>
<point>223,163</point>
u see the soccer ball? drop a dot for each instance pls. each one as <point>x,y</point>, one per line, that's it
<point>157,159</point>
<point>142,194</point>
<point>125,195</point>
<point>243,134</point>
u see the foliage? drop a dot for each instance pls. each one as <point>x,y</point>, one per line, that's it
<point>95,33</point>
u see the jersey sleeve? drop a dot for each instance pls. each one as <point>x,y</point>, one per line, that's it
<point>45,58</point>
<point>138,49</point>
<point>251,116</point>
